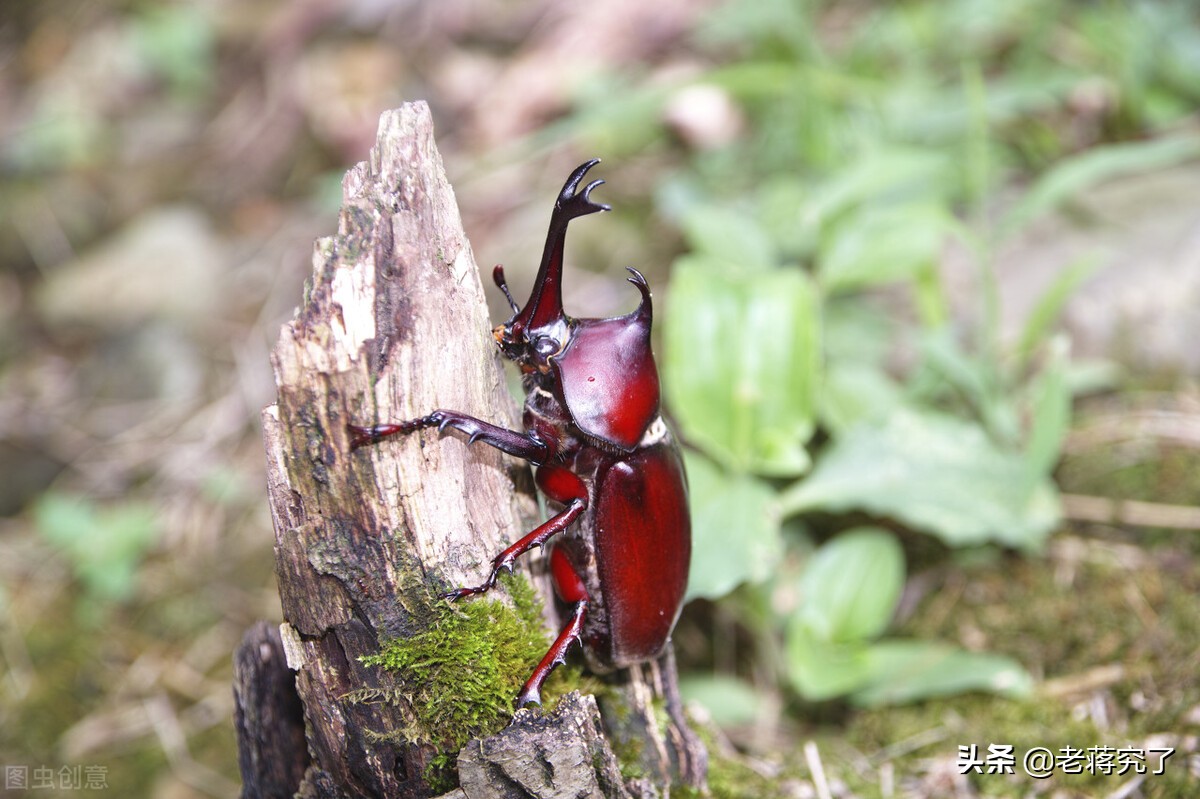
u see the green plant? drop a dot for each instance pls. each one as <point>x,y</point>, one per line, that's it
<point>103,543</point>
<point>812,250</point>
<point>850,589</point>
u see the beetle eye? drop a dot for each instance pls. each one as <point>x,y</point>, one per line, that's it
<point>545,346</point>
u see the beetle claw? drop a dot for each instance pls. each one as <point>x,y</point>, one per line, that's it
<point>568,188</point>
<point>459,593</point>
<point>584,198</point>
<point>530,697</point>
<point>498,566</point>
<point>581,203</point>
<point>587,195</point>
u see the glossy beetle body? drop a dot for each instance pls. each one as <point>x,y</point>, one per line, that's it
<point>621,535</point>
<point>638,522</point>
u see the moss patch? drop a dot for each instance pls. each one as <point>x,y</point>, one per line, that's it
<point>462,673</point>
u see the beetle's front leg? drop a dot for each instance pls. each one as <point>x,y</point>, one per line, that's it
<point>540,535</point>
<point>528,446</point>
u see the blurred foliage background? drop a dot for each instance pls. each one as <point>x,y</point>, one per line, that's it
<point>929,275</point>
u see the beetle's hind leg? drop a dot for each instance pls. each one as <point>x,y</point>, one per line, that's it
<point>540,535</point>
<point>560,485</point>
<point>571,590</point>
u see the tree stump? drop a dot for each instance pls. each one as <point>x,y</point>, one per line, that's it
<point>394,325</point>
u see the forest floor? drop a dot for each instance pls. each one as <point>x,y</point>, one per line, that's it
<point>165,175</point>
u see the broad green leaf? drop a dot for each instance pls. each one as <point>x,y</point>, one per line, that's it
<point>929,297</point>
<point>735,530</point>
<point>850,587</point>
<point>885,174</point>
<point>849,590</point>
<point>905,671</point>
<point>822,669</point>
<point>934,111</point>
<point>874,246</point>
<point>973,379</point>
<point>729,700</point>
<point>952,368</point>
<point>741,361</point>
<point>779,206</point>
<point>857,332</point>
<point>934,473</point>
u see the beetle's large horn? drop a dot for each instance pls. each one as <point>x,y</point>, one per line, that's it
<point>545,301</point>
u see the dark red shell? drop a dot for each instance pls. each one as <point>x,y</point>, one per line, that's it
<point>642,537</point>
<point>609,379</point>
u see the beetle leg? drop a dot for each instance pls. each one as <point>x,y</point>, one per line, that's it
<point>570,588</point>
<point>540,535</point>
<point>528,446</point>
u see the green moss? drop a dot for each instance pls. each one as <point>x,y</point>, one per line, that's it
<point>628,751</point>
<point>461,674</point>
<point>442,772</point>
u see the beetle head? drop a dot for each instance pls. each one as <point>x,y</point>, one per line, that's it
<point>541,329</point>
<point>603,368</point>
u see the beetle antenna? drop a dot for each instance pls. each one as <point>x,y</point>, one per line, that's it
<point>498,277</point>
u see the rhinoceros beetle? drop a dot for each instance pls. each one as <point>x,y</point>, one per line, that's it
<point>605,459</point>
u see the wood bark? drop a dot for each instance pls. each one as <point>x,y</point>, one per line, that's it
<point>268,716</point>
<point>394,325</point>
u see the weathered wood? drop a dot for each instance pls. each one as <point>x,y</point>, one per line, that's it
<point>562,754</point>
<point>268,717</point>
<point>667,750</point>
<point>394,325</point>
